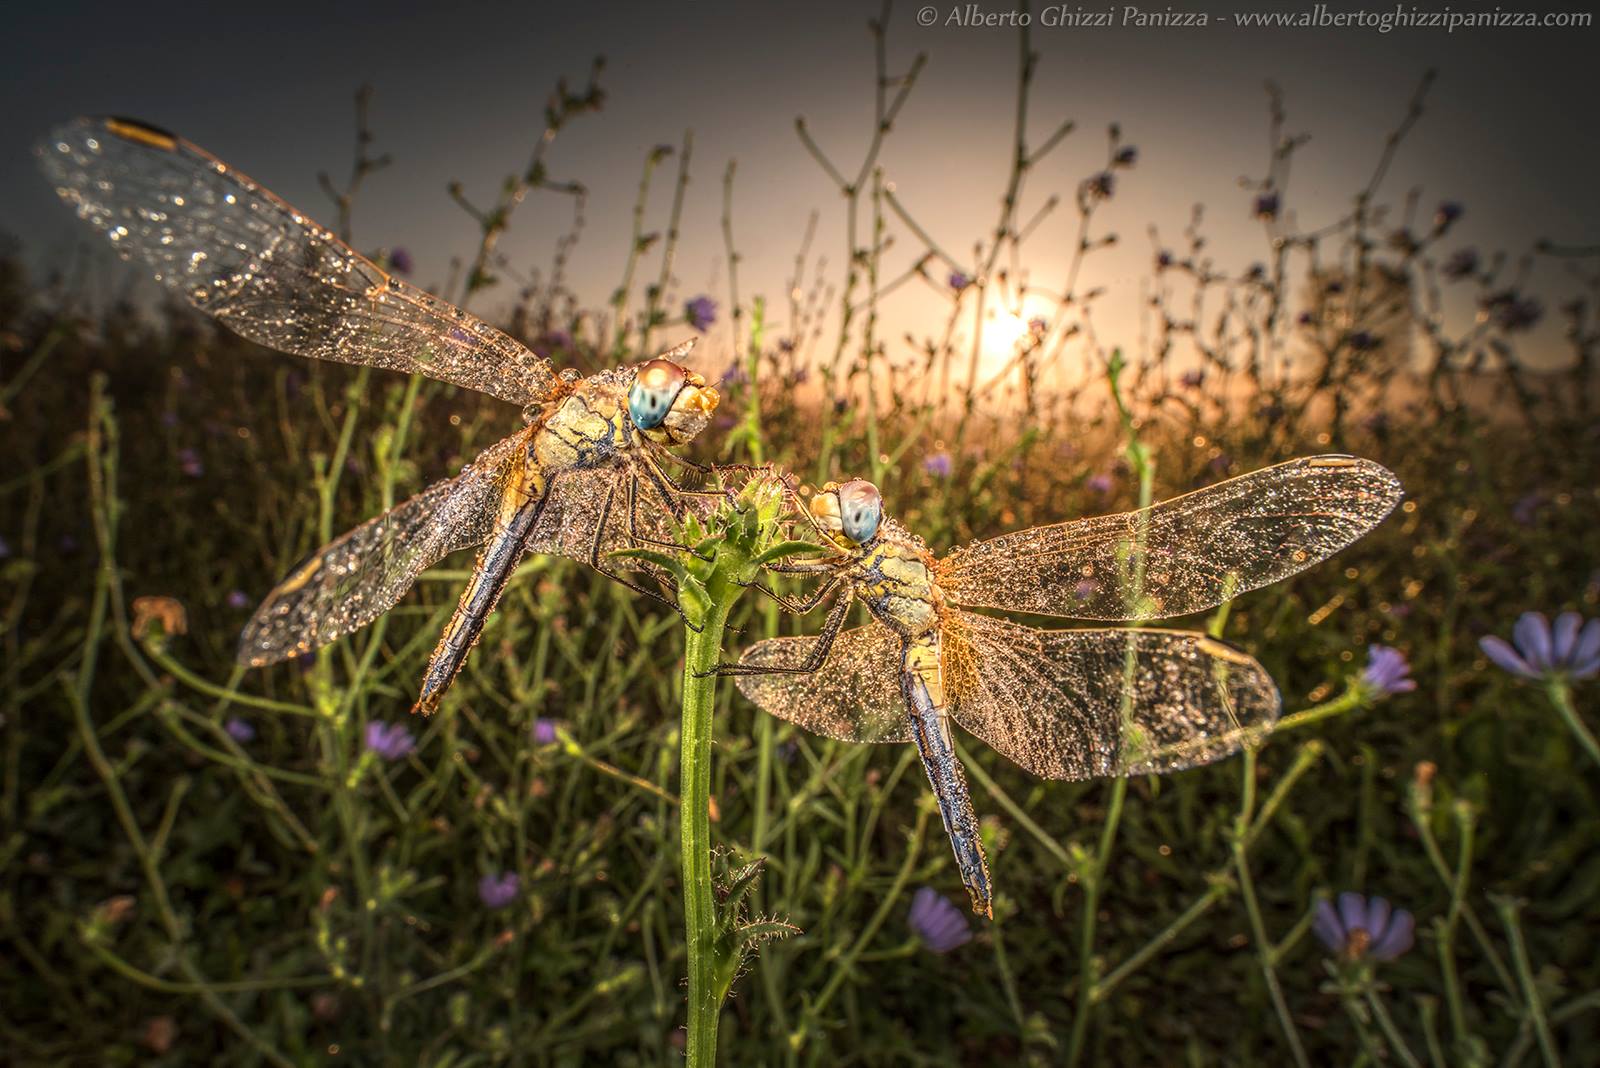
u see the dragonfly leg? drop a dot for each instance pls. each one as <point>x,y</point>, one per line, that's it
<point>798,607</point>
<point>813,661</point>
<point>633,524</point>
<point>804,567</point>
<point>595,558</point>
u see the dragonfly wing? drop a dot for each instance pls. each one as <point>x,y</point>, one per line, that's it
<point>854,697</point>
<point>360,575</point>
<point>578,513</point>
<point>1079,704</point>
<point>238,253</point>
<point>1193,552</point>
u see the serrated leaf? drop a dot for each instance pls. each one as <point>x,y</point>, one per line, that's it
<point>787,548</point>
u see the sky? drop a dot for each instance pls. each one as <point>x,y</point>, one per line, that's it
<point>459,89</point>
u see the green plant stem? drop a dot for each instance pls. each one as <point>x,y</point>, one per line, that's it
<point>1391,1033</point>
<point>1091,904</point>
<point>1508,909</point>
<point>1258,927</point>
<point>1561,696</point>
<point>1352,698</point>
<point>702,650</point>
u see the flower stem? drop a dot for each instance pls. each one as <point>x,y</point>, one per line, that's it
<point>701,653</point>
<point>1561,697</point>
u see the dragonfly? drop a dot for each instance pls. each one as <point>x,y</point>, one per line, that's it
<point>1063,704</point>
<point>586,475</point>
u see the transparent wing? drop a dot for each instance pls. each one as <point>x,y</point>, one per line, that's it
<point>238,253</point>
<point>855,697</point>
<point>572,520</point>
<point>1077,704</point>
<point>1198,550</point>
<point>357,577</point>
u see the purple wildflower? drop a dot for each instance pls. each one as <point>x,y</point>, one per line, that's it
<point>1512,312</point>
<point>735,375</point>
<point>552,341</point>
<point>190,463</point>
<point>959,281</point>
<point>1570,648</point>
<point>239,730</point>
<point>1037,326</point>
<point>1266,206</point>
<point>1461,263</point>
<point>1364,927</point>
<point>1305,318</point>
<point>701,312</point>
<point>941,926</point>
<point>498,891</point>
<point>1364,341</point>
<point>937,465</point>
<point>1448,212</point>
<point>1126,156</point>
<point>1193,379</point>
<point>544,731</point>
<point>1101,186</point>
<point>1101,483</point>
<point>1163,260</point>
<point>238,599</point>
<point>1525,512</point>
<point>400,260</point>
<point>392,742</point>
<point>1387,672</point>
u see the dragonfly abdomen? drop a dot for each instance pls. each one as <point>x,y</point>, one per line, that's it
<point>922,685</point>
<point>522,502</point>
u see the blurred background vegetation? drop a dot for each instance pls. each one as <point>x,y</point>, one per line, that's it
<point>205,865</point>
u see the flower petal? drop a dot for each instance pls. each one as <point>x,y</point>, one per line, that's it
<point>1588,645</point>
<point>1532,635</point>
<point>1582,669</point>
<point>1397,939</point>
<point>1499,651</point>
<point>1564,636</point>
<point>1378,912</point>
<point>1353,911</point>
<point>1327,926</point>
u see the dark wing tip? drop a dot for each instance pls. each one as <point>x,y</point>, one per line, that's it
<point>139,132</point>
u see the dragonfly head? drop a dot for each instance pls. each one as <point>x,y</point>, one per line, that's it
<point>848,512</point>
<point>669,403</point>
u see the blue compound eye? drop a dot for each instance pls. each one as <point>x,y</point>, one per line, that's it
<point>860,510</point>
<point>655,387</point>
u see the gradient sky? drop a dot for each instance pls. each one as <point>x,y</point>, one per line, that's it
<point>267,87</point>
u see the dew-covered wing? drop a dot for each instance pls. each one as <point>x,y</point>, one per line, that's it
<point>1080,704</point>
<point>854,697</point>
<point>357,577</point>
<point>240,254</point>
<point>592,507</point>
<point>1185,555</point>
